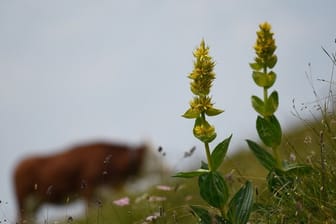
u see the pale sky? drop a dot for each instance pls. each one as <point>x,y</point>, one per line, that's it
<point>73,71</point>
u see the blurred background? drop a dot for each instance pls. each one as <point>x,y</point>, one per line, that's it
<point>76,71</point>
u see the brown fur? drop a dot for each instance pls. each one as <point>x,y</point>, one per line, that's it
<point>74,173</point>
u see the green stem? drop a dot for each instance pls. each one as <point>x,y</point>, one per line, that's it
<point>265,89</point>
<point>207,148</point>
<point>265,95</point>
<point>274,149</point>
<point>277,157</point>
<point>208,154</point>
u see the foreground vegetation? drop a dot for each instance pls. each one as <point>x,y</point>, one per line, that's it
<point>304,202</point>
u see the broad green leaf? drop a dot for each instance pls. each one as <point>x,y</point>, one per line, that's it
<point>202,215</point>
<point>191,114</point>
<point>191,174</point>
<point>240,206</point>
<point>264,157</point>
<point>219,153</point>
<point>271,104</point>
<point>258,105</point>
<point>213,111</point>
<point>269,131</point>
<point>264,80</point>
<point>213,189</point>
<point>259,78</point>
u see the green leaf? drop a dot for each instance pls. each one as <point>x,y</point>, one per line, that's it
<point>259,78</point>
<point>213,111</point>
<point>255,66</point>
<point>191,174</point>
<point>297,169</point>
<point>272,104</point>
<point>264,80</point>
<point>213,189</point>
<point>271,77</point>
<point>264,157</point>
<point>258,105</point>
<point>271,63</point>
<point>202,214</point>
<point>191,114</point>
<point>219,153</point>
<point>269,131</point>
<point>240,206</point>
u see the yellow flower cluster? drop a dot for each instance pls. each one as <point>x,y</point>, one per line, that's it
<point>201,104</point>
<point>202,77</point>
<point>204,131</point>
<point>265,57</point>
<point>265,48</point>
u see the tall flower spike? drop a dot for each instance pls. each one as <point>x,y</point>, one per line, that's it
<point>202,77</point>
<point>262,73</point>
<point>265,46</point>
<point>265,57</point>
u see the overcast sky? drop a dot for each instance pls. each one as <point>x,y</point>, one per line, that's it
<point>73,71</point>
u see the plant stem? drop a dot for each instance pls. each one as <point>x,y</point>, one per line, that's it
<point>323,167</point>
<point>265,95</point>
<point>207,148</point>
<point>208,154</point>
<point>277,157</point>
<point>265,88</point>
<point>274,149</point>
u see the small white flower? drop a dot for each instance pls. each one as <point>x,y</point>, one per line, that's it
<point>122,201</point>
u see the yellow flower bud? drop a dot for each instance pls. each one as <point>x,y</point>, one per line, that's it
<point>204,131</point>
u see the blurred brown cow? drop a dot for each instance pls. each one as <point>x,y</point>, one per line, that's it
<point>74,173</point>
